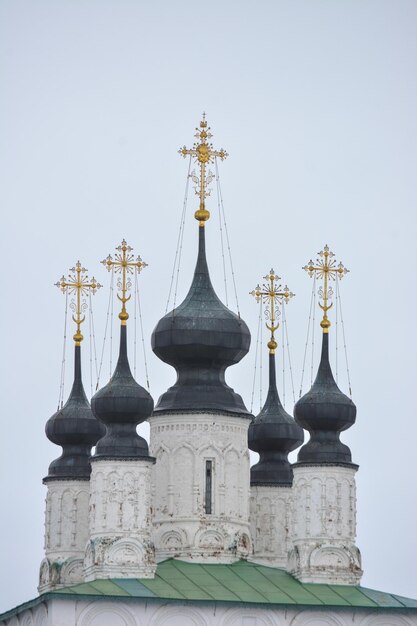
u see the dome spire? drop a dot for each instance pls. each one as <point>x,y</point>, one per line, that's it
<point>273,433</point>
<point>74,426</point>
<point>204,154</point>
<point>324,410</point>
<point>122,404</point>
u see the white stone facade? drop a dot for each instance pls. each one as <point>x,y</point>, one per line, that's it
<point>120,544</point>
<point>270,508</point>
<point>127,613</point>
<point>323,528</point>
<point>66,533</point>
<point>182,445</point>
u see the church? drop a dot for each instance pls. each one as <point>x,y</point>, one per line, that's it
<point>181,530</point>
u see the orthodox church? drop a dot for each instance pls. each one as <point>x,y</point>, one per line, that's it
<point>182,531</point>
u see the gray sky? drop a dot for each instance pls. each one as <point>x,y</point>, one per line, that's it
<point>316,104</point>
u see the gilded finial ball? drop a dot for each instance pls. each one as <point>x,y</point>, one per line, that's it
<point>202,215</point>
<point>272,345</point>
<point>123,315</point>
<point>78,337</point>
<point>325,324</point>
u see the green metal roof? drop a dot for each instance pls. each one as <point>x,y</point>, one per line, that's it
<point>239,583</point>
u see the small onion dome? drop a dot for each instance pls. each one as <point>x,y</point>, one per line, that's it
<point>121,405</point>
<point>325,412</point>
<point>75,428</point>
<point>201,338</point>
<point>273,433</point>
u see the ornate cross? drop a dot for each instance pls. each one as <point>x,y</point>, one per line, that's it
<point>272,294</point>
<point>125,263</point>
<point>327,269</point>
<point>204,154</point>
<point>78,283</point>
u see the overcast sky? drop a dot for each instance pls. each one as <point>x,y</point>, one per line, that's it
<point>316,102</point>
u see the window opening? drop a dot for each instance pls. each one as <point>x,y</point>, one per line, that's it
<point>209,486</point>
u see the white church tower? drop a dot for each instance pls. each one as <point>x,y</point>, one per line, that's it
<point>273,434</point>
<point>199,427</point>
<point>324,499</point>
<point>75,428</point>
<point>120,544</point>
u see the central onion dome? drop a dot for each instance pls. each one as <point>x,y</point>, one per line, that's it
<point>121,405</point>
<point>201,338</point>
<point>325,412</point>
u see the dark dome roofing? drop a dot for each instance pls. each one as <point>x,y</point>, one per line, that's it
<point>121,405</point>
<point>273,433</point>
<point>201,338</point>
<point>75,428</point>
<point>325,412</point>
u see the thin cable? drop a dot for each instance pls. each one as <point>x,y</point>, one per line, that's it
<point>227,237</point>
<point>111,322</point>
<point>135,328</point>
<point>90,331</point>
<point>142,337</point>
<point>313,332</point>
<point>221,240</point>
<point>178,250</point>
<point>260,361</point>
<point>344,340</point>
<point>308,336</point>
<point>94,335</point>
<point>283,357</point>
<point>62,380</point>
<point>256,358</point>
<point>284,322</point>
<point>337,333</point>
<point>105,328</point>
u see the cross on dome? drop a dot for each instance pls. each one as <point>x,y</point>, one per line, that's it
<point>272,294</point>
<point>125,263</point>
<point>327,269</point>
<point>77,283</point>
<point>204,154</point>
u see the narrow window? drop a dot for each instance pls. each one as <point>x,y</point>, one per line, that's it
<point>209,487</point>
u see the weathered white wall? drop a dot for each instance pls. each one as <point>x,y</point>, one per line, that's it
<point>181,445</point>
<point>270,508</point>
<point>124,613</point>
<point>66,533</point>
<point>120,520</point>
<point>323,528</point>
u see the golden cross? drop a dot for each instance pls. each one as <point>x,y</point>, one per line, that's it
<point>326,268</point>
<point>204,154</point>
<point>125,263</point>
<point>270,294</point>
<point>77,282</point>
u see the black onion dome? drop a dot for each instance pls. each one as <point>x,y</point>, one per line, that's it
<point>201,338</point>
<point>121,405</point>
<point>75,428</point>
<point>325,412</point>
<point>273,433</point>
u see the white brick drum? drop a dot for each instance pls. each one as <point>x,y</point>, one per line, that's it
<point>182,444</point>
<point>120,543</point>
<point>270,508</point>
<point>66,533</point>
<point>323,528</point>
